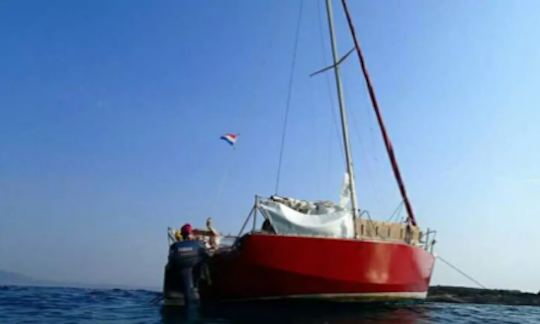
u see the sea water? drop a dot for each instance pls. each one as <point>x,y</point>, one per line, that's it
<point>76,305</point>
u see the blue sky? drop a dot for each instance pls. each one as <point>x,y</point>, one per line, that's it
<point>111,112</point>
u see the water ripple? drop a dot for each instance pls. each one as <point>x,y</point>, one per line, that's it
<point>76,305</point>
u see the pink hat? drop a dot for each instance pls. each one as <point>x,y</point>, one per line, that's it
<point>186,229</point>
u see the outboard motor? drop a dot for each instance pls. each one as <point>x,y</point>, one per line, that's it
<point>183,272</point>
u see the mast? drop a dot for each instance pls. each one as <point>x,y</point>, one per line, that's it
<point>411,219</point>
<point>343,114</point>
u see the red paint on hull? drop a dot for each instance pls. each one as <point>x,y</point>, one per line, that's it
<point>266,266</point>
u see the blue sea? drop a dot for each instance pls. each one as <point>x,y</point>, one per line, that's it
<point>76,305</point>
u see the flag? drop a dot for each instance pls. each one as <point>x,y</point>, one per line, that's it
<point>230,138</point>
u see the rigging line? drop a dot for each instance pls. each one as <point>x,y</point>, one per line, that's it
<point>224,178</point>
<point>221,184</point>
<point>331,100</point>
<point>288,103</point>
<point>370,171</point>
<point>396,212</point>
<point>461,272</point>
<point>229,163</point>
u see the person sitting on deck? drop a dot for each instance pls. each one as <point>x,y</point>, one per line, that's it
<point>213,241</point>
<point>184,234</point>
<point>209,237</point>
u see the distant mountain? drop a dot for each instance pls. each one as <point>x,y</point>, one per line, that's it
<point>17,279</point>
<point>12,278</point>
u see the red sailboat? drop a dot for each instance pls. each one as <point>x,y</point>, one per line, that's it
<point>324,250</point>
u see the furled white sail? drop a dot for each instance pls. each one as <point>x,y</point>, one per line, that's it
<point>300,217</point>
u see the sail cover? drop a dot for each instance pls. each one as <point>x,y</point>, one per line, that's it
<point>319,218</point>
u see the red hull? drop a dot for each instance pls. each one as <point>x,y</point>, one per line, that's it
<point>276,266</point>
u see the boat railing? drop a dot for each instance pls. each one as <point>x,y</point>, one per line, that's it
<point>366,228</point>
<point>252,215</point>
<point>429,240</point>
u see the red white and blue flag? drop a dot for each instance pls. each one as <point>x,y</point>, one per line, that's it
<point>230,138</point>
